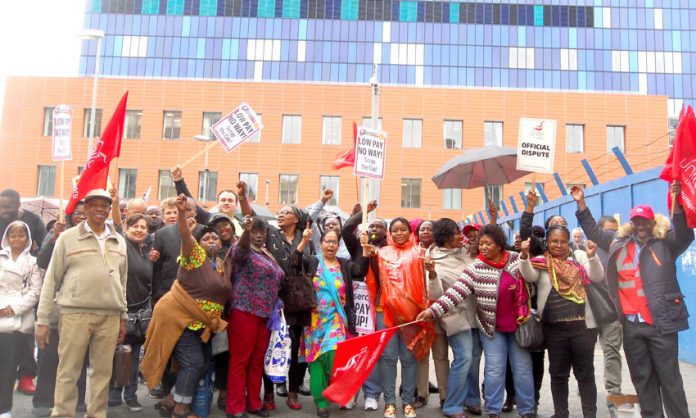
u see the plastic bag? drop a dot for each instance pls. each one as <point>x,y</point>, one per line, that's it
<point>277,361</point>
<point>123,366</point>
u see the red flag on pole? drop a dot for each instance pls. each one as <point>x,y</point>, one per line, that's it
<point>106,149</point>
<point>681,165</point>
<point>347,158</point>
<point>353,363</point>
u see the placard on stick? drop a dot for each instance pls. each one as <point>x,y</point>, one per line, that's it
<point>370,151</point>
<point>62,133</point>
<point>237,126</point>
<point>536,145</point>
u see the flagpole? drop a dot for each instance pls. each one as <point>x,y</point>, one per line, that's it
<point>366,196</point>
<point>62,190</point>
<point>198,154</point>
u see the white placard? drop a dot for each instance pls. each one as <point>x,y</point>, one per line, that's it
<point>364,315</point>
<point>536,145</point>
<point>237,126</point>
<point>62,133</point>
<point>370,152</point>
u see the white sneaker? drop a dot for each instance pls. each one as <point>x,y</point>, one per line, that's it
<point>371,404</point>
<point>349,405</point>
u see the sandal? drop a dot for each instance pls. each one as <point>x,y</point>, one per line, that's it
<point>268,402</point>
<point>293,402</point>
<point>187,414</point>
<point>164,411</point>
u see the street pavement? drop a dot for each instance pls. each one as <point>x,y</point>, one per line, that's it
<point>22,403</point>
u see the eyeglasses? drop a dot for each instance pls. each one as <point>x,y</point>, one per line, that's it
<point>330,242</point>
<point>284,212</point>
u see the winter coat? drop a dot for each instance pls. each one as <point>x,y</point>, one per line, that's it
<point>20,281</point>
<point>657,263</point>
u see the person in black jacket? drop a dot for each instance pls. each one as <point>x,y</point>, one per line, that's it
<point>642,280</point>
<point>333,319</point>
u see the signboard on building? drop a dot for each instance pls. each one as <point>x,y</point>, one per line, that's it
<point>370,152</point>
<point>536,145</point>
<point>61,149</point>
<point>237,126</point>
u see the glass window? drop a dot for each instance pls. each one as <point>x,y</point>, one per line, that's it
<point>453,134</point>
<point>209,119</point>
<point>257,136</point>
<point>672,129</point>
<point>48,121</point>
<point>367,121</point>
<point>410,193</point>
<point>528,186</point>
<point>127,178</point>
<point>166,185</point>
<point>288,189</point>
<point>492,194</point>
<point>452,199</point>
<point>252,181</point>
<point>133,123</point>
<point>46,184</point>
<point>493,133</point>
<point>575,139</point>
<point>615,137</point>
<point>331,132</point>
<point>207,186</point>
<point>172,125</point>
<point>413,132</point>
<point>97,123</point>
<point>330,182</point>
<point>292,129</point>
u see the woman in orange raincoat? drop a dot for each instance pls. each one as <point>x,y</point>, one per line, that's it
<point>402,296</point>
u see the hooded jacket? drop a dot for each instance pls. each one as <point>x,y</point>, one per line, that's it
<point>657,265</point>
<point>20,280</point>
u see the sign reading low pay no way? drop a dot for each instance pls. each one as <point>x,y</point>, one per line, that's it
<point>370,151</point>
<point>237,126</point>
<point>536,145</point>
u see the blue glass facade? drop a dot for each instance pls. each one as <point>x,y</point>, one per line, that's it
<point>634,46</point>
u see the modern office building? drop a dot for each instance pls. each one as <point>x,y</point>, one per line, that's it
<point>453,76</point>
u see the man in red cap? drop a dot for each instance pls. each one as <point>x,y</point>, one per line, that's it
<point>642,280</point>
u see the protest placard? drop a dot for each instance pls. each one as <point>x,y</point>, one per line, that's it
<point>236,127</point>
<point>536,145</point>
<point>364,313</point>
<point>370,151</point>
<point>62,133</point>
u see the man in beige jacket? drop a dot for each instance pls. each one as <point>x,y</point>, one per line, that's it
<point>87,279</point>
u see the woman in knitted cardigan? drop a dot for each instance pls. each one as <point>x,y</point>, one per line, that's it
<point>494,279</point>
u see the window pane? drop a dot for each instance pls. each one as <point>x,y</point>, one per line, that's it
<point>127,178</point>
<point>207,186</point>
<point>97,123</point>
<point>493,194</point>
<point>528,186</point>
<point>452,199</point>
<point>367,121</point>
<point>331,132</point>
<point>288,189</point>
<point>257,136</point>
<point>292,127</point>
<point>330,182</point>
<point>413,130</point>
<point>209,119</point>
<point>48,121</point>
<point>252,181</point>
<point>410,193</point>
<point>133,123</point>
<point>453,134</point>
<point>46,180</point>
<point>493,133</point>
<point>172,125</point>
<point>166,185</point>
<point>615,137</point>
<point>575,138</point>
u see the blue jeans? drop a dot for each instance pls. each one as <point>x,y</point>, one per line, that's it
<point>129,391</point>
<point>461,345</point>
<point>190,353</point>
<point>396,350</point>
<point>473,390</point>
<point>497,351</point>
<point>372,387</point>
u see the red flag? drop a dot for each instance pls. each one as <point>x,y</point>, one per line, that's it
<point>681,165</point>
<point>347,158</point>
<point>106,149</point>
<point>354,360</point>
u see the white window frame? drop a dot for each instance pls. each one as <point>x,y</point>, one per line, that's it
<point>575,138</point>
<point>285,179</point>
<point>333,183</point>
<point>252,186</point>
<point>292,129</point>
<point>493,132</point>
<point>412,136</point>
<point>452,199</point>
<point>165,185</point>
<point>127,189</point>
<point>134,124</point>
<point>173,118</point>
<point>331,130</point>
<point>407,192</point>
<point>612,131</point>
<point>46,180</point>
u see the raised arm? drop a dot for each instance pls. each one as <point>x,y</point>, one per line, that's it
<point>185,226</point>
<point>529,273</point>
<point>244,204</point>
<point>316,208</point>
<point>592,231</point>
<point>492,213</point>
<point>202,216</point>
<point>116,210</point>
<point>681,236</point>
<point>527,219</point>
<point>593,265</point>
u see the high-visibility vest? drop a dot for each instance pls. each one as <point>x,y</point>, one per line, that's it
<point>631,294</point>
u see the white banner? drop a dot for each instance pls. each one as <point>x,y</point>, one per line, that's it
<point>370,151</point>
<point>62,133</point>
<point>536,145</point>
<point>237,126</point>
<point>364,314</point>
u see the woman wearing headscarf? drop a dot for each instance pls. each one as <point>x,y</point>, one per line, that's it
<point>500,304</point>
<point>186,316</point>
<point>403,294</point>
<point>569,327</point>
<point>20,286</point>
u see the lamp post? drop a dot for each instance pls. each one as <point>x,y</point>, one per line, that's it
<point>98,35</point>
<point>268,182</point>
<point>206,139</point>
<point>374,188</point>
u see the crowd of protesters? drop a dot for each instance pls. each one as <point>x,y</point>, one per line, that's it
<point>193,276</point>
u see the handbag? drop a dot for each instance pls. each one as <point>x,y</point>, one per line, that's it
<point>298,293</point>
<point>530,334</point>
<point>10,323</point>
<point>276,363</point>
<point>123,366</point>
<point>220,343</point>
<point>602,307</point>
<point>454,324</point>
<point>138,321</point>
